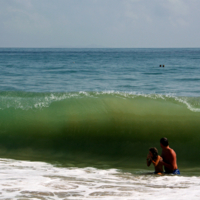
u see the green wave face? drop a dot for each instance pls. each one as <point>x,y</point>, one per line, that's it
<point>113,125</point>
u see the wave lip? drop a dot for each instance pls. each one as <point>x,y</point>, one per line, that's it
<point>28,100</point>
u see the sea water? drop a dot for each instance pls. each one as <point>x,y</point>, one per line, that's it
<point>78,123</point>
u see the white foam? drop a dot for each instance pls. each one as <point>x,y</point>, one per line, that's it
<point>35,180</point>
<point>40,102</point>
<point>189,106</point>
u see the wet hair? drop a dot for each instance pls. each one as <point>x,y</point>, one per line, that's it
<point>154,151</point>
<point>164,142</point>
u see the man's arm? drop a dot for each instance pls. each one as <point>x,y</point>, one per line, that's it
<point>169,166</point>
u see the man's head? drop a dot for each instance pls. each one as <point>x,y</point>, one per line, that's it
<point>164,142</point>
<point>153,152</point>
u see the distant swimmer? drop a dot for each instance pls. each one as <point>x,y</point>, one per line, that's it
<point>163,65</point>
<point>160,65</point>
<point>169,157</point>
<point>154,158</point>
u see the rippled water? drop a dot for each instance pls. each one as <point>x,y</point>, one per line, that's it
<point>125,70</point>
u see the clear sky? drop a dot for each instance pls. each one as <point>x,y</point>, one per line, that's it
<point>100,23</point>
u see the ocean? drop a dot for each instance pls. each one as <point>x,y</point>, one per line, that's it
<point>78,123</point>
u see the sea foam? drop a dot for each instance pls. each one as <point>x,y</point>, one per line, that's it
<point>35,180</point>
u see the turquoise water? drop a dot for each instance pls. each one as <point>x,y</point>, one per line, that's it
<point>102,109</point>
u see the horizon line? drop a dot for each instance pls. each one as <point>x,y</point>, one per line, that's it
<point>101,47</point>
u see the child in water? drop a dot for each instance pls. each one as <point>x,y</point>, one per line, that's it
<point>154,158</point>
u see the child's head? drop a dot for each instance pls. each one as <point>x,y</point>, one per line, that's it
<point>154,153</point>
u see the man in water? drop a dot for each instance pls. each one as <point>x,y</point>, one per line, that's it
<point>169,157</point>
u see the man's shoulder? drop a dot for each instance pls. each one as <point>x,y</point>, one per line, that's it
<point>168,151</point>
<point>172,151</point>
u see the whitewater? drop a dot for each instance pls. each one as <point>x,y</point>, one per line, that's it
<point>38,180</point>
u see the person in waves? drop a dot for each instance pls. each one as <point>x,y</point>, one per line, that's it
<point>169,157</point>
<point>154,158</point>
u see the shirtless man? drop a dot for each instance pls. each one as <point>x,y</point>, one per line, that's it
<point>169,157</point>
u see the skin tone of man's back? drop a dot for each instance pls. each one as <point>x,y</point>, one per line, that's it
<point>169,159</point>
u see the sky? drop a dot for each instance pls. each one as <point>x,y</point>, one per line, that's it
<point>100,23</point>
